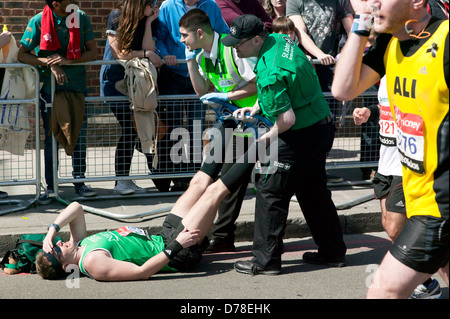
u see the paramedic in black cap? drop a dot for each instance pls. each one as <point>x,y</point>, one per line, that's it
<point>289,95</point>
<point>244,26</point>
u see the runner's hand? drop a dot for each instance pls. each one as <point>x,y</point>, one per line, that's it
<point>361,115</point>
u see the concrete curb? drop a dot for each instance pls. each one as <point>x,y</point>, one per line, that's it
<point>295,228</point>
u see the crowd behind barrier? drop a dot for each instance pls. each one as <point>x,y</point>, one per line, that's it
<point>354,147</point>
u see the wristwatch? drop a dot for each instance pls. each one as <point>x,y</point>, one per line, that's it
<point>56,226</point>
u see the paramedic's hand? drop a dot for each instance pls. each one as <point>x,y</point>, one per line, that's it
<point>191,54</point>
<point>59,74</point>
<point>242,112</point>
<point>188,238</point>
<point>361,115</point>
<point>215,95</point>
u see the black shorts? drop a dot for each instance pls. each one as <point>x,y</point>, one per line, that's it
<point>187,257</point>
<point>390,187</point>
<point>423,244</point>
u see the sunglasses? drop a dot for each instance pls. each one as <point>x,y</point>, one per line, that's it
<point>58,252</point>
<point>237,45</point>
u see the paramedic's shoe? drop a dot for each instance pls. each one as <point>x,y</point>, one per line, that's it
<point>318,259</point>
<point>432,291</point>
<point>85,191</point>
<point>247,267</point>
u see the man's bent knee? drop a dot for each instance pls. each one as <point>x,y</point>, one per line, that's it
<point>201,180</point>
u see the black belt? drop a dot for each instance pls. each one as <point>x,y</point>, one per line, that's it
<point>323,121</point>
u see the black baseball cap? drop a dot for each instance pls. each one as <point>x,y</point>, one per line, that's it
<point>244,26</point>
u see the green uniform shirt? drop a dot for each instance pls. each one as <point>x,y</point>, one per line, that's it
<point>76,74</point>
<point>126,244</point>
<point>286,79</point>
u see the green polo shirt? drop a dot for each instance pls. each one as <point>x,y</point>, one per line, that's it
<point>76,74</point>
<point>286,79</point>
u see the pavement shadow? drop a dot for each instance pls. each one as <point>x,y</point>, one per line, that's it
<point>365,250</point>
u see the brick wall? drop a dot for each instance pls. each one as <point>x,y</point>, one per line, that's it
<point>17,13</point>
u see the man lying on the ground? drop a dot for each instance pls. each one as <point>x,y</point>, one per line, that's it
<point>127,253</point>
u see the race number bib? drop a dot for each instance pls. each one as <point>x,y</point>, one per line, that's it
<point>126,230</point>
<point>387,127</point>
<point>410,140</point>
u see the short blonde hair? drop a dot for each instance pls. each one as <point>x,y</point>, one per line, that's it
<point>44,268</point>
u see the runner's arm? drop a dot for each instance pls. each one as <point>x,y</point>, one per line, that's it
<point>351,76</point>
<point>72,215</point>
<point>104,268</point>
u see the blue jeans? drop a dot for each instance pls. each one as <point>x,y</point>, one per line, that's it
<point>79,153</point>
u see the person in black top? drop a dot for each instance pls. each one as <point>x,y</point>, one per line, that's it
<point>129,34</point>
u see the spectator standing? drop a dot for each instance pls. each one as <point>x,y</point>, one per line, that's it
<point>68,45</point>
<point>275,8</point>
<point>129,35</point>
<point>231,9</point>
<point>317,22</point>
<point>286,26</point>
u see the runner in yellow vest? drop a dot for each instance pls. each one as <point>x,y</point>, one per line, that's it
<point>412,51</point>
<point>217,72</point>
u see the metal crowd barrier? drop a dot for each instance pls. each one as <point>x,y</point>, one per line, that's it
<point>354,147</point>
<point>20,165</point>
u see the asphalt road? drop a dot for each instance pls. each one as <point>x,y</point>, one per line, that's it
<point>216,281</point>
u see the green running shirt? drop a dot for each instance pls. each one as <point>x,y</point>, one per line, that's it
<point>126,244</point>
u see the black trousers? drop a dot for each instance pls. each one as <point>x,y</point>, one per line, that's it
<point>299,170</point>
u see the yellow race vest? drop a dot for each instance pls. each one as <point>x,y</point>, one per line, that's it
<point>418,97</point>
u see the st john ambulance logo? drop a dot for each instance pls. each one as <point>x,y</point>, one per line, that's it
<point>288,40</point>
